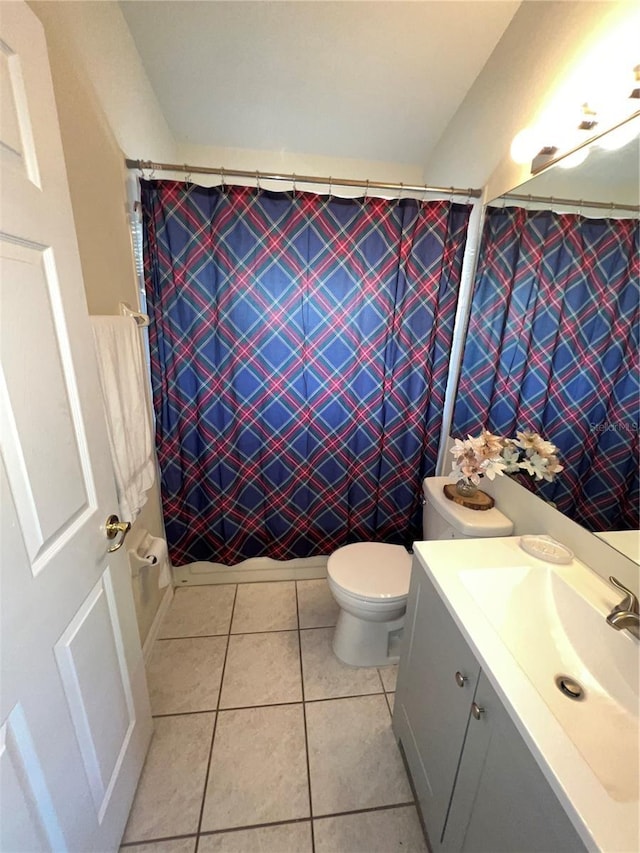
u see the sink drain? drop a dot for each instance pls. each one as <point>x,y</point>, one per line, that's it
<point>569,687</point>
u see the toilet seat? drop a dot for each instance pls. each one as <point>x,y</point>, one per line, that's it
<point>373,571</point>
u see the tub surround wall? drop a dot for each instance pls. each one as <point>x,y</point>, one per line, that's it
<point>147,595</point>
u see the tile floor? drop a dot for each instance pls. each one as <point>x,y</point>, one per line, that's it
<point>264,742</point>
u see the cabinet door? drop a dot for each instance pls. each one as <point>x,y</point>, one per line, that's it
<point>431,709</point>
<point>502,802</point>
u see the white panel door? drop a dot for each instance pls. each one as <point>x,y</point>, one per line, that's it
<point>74,712</point>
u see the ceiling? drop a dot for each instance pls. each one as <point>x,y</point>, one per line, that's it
<point>365,80</point>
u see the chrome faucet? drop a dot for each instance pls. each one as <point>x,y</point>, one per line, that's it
<point>625,615</point>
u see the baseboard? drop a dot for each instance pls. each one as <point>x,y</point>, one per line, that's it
<point>253,570</point>
<point>154,630</point>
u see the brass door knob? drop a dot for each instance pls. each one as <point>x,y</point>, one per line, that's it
<point>112,527</point>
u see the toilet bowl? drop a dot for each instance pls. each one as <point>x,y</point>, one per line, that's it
<point>370,583</point>
<point>370,580</point>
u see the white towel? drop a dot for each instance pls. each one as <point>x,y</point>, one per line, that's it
<point>122,378</point>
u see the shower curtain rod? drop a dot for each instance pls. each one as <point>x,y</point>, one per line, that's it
<point>566,202</point>
<point>299,179</point>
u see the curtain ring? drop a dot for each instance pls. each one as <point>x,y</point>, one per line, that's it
<point>294,185</point>
<point>424,195</point>
<point>366,193</point>
<point>468,195</point>
<point>222,185</point>
<point>330,186</point>
<point>580,213</point>
<point>187,180</point>
<point>258,182</point>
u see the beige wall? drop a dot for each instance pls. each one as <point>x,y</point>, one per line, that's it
<point>96,37</point>
<point>96,173</point>
<point>106,107</point>
<point>97,176</point>
<point>290,162</point>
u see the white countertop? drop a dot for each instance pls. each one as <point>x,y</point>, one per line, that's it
<point>603,823</point>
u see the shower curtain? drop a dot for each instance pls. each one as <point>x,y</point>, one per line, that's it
<point>299,355</point>
<point>552,346</point>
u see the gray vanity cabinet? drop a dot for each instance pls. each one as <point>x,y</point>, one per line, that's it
<point>478,785</point>
<point>501,801</point>
<point>436,684</point>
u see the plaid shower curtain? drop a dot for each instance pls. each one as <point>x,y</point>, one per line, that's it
<point>299,354</point>
<point>552,346</point>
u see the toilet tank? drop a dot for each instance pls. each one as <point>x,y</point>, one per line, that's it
<point>444,519</point>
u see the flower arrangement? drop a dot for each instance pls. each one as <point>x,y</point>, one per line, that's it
<point>488,455</point>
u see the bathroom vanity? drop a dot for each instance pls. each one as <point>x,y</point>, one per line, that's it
<point>501,756</point>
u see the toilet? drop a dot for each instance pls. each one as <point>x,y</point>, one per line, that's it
<point>370,580</point>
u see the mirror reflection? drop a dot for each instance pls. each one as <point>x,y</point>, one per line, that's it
<point>552,343</point>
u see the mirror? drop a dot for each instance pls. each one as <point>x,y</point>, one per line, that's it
<point>606,184</point>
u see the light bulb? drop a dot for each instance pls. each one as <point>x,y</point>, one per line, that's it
<point>525,145</point>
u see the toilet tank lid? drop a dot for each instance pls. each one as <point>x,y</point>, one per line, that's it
<point>470,522</point>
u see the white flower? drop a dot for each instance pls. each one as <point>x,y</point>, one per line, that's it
<point>490,455</point>
<point>466,464</point>
<point>491,467</point>
<point>534,442</point>
<point>487,444</point>
<point>511,457</point>
<point>477,457</point>
<point>528,464</point>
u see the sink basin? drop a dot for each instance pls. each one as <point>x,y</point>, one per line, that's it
<point>554,626</point>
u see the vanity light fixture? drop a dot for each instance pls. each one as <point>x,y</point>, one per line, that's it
<point>589,120</point>
<point>635,93</point>
<point>614,137</point>
<point>544,156</point>
<point>524,145</point>
<point>614,111</point>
